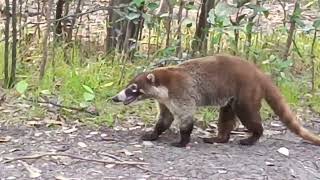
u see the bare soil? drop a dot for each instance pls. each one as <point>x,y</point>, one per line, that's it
<point>73,153</point>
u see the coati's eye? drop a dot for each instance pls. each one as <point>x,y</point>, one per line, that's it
<point>134,88</point>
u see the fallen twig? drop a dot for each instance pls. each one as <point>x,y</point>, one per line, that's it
<point>66,107</point>
<point>138,166</point>
<point>38,156</point>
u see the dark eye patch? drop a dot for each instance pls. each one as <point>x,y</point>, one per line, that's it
<point>132,90</point>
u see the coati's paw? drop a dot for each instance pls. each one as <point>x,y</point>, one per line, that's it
<point>215,140</point>
<point>178,144</point>
<point>246,142</point>
<point>149,136</point>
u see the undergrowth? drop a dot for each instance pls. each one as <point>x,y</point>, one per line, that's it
<point>83,81</point>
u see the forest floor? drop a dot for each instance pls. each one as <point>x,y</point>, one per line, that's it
<point>62,149</point>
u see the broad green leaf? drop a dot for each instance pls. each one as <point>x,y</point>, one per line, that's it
<point>240,3</point>
<point>258,9</point>
<point>87,88</point>
<point>225,10</point>
<point>88,96</point>
<point>299,22</point>
<point>138,3</point>
<point>152,6</point>
<point>190,6</point>
<point>22,86</point>
<point>216,39</point>
<point>316,23</point>
<point>132,16</point>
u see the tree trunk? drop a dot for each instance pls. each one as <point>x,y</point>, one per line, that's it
<point>200,43</point>
<point>70,29</point>
<point>110,44</point>
<point>6,45</point>
<point>119,29</point>
<point>45,41</point>
<point>14,44</point>
<point>290,33</point>
<point>179,48</point>
<point>58,24</point>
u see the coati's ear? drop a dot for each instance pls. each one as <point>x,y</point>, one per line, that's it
<point>151,78</point>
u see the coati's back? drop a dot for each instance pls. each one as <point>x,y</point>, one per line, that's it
<point>221,76</point>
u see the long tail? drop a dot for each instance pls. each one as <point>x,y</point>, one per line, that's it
<point>281,108</point>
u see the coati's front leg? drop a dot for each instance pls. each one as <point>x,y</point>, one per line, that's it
<point>226,123</point>
<point>164,122</point>
<point>186,127</point>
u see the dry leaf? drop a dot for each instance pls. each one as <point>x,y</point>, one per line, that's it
<point>33,172</point>
<point>293,174</point>
<point>71,130</point>
<point>5,139</point>
<point>60,177</point>
<point>109,166</point>
<point>126,152</point>
<point>82,144</point>
<point>276,124</point>
<point>34,123</point>
<point>50,122</point>
<point>283,151</point>
<point>269,163</point>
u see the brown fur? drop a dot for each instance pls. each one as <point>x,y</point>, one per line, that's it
<point>235,85</point>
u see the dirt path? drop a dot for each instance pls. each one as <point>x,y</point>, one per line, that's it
<point>198,161</point>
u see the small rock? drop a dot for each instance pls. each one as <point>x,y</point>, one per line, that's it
<point>93,133</point>
<point>11,178</point>
<point>283,151</point>
<point>147,143</point>
<point>269,163</point>
<point>37,134</point>
<point>222,171</point>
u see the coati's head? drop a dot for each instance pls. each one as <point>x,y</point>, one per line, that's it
<point>143,86</point>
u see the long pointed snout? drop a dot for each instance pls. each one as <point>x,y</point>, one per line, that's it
<point>115,98</point>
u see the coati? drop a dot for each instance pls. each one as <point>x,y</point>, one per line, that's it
<point>231,83</point>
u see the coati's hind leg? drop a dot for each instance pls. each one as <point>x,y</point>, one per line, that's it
<point>226,123</point>
<point>164,122</point>
<point>250,117</point>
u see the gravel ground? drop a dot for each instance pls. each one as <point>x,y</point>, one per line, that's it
<point>79,152</point>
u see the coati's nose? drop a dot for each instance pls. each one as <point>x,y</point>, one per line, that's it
<point>115,99</point>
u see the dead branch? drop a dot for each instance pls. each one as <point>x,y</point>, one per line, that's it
<point>38,156</point>
<point>99,8</point>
